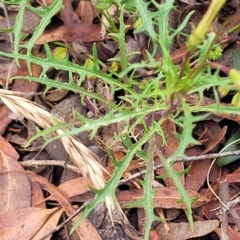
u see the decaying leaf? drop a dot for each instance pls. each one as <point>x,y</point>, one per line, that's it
<point>13,195</point>
<point>83,32</point>
<point>23,223</point>
<point>49,224</point>
<point>85,229</point>
<point>182,230</point>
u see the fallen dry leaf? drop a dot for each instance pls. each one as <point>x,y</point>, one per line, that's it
<point>85,12</point>
<point>8,150</point>
<point>85,230</point>
<point>82,32</point>
<point>49,224</point>
<point>216,138</point>
<point>5,118</point>
<point>154,235</point>
<point>15,187</point>
<point>8,69</point>
<point>23,223</point>
<point>197,174</point>
<point>69,17</point>
<point>75,186</point>
<point>183,231</point>
<point>176,56</point>
<point>37,196</point>
<point>232,233</point>
<point>233,177</point>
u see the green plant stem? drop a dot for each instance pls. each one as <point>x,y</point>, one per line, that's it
<point>203,27</point>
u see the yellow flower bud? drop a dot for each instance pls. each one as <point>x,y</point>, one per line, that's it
<point>236,100</point>
<point>234,75</point>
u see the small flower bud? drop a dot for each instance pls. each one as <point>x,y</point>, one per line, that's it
<point>235,77</point>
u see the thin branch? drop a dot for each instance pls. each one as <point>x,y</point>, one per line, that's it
<point>60,163</point>
<point>35,163</point>
<point>208,156</point>
<point>187,159</point>
<point>224,193</point>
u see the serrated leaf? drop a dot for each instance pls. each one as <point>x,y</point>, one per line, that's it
<point>66,65</point>
<point>146,16</point>
<point>186,138</point>
<point>180,188</point>
<point>111,185</point>
<point>18,28</point>
<point>46,14</point>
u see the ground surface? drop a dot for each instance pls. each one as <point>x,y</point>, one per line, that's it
<point>44,182</point>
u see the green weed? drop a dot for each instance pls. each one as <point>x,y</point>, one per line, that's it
<point>167,90</point>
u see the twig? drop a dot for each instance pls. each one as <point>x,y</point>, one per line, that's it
<point>233,203</point>
<point>61,163</point>
<point>35,163</point>
<point>8,22</point>
<point>187,159</point>
<point>235,217</point>
<point>224,193</point>
<point>207,156</point>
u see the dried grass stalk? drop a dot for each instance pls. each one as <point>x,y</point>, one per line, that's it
<point>85,160</point>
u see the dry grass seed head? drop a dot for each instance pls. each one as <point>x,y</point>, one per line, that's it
<point>86,161</point>
<point>82,157</point>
